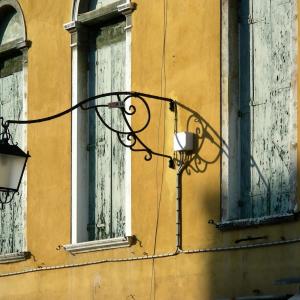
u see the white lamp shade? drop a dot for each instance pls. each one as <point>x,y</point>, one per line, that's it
<point>12,166</point>
<point>11,171</point>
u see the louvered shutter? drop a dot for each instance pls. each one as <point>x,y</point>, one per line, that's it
<point>106,154</point>
<point>265,100</point>
<point>11,107</point>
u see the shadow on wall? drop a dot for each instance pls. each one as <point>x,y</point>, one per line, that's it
<point>208,144</point>
<point>230,272</point>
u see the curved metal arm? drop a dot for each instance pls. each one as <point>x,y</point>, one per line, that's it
<point>131,134</point>
<point>87,100</point>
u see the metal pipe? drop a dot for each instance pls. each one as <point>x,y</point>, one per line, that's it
<point>180,171</point>
<point>157,256</point>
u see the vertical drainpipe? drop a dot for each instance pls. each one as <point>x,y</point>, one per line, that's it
<point>182,167</point>
<point>180,171</point>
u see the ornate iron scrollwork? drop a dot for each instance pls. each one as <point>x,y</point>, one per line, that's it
<point>131,134</point>
<point>128,138</point>
<point>128,111</point>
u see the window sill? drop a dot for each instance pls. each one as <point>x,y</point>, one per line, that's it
<point>246,223</point>
<point>14,257</point>
<point>99,245</point>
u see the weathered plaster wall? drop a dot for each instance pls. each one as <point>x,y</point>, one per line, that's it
<point>186,69</point>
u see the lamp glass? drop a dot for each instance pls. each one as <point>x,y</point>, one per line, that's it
<point>11,171</point>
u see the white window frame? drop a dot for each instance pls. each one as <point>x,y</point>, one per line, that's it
<point>230,167</point>
<point>79,210</point>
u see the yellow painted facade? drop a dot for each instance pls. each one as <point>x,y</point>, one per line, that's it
<point>176,48</point>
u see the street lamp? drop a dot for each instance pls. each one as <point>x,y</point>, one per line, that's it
<point>13,160</point>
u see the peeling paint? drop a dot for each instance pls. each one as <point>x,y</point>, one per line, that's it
<point>265,129</point>
<point>107,156</point>
<point>261,54</point>
<point>11,106</point>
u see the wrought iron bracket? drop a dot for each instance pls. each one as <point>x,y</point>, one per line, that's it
<point>129,137</point>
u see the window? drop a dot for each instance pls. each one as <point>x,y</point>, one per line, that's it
<point>101,165</point>
<point>13,58</point>
<point>258,109</point>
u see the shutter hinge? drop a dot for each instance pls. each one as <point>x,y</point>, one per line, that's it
<point>251,20</point>
<point>253,103</point>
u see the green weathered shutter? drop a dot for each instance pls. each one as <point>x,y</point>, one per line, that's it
<point>106,154</point>
<point>265,107</point>
<point>11,107</point>
<point>281,101</point>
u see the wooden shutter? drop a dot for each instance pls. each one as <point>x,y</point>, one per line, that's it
<point>11,107</point>
<point>106,154</point>
<point>265,107</point>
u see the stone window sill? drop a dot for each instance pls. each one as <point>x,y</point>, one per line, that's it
<point>246,223</point>
<point>14,257</point>
<point>99,245</point>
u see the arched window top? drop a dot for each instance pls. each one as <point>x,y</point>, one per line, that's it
<point>11,22</point>
<point>84,6</point>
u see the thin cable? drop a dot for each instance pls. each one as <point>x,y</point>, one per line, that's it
<point>156,256</point>
<point>163,81</point>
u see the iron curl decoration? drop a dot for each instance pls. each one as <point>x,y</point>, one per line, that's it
<point>130,111</point>
<point>130,133</point>
<point>6,197</point>
<point>127,111</point>
<point>5,134</point>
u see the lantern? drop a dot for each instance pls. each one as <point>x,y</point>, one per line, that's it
<point>12,166</point>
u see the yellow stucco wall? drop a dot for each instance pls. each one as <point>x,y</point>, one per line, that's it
<point>187,69</point>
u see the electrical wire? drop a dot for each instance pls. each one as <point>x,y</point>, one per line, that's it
<point>156,256</point>
<point>163,80</point>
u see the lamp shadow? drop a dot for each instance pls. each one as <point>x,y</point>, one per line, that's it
<point>209,147</point>
<point>208,144</point>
